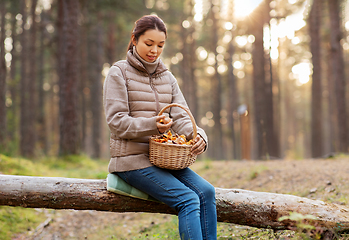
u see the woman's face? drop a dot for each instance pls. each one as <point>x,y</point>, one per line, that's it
<point>150,45</point>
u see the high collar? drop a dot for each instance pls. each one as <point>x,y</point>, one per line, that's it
<point>142,65</point>
<point>150,66</point>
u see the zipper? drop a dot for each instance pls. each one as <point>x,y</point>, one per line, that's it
<point>156,94</point>
<point>153,88</point>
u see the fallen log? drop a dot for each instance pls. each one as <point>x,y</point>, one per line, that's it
<point>256,209</point>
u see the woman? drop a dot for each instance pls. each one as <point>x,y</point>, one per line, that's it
<point>135,90</point>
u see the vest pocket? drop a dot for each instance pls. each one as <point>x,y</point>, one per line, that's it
<point>123,147</point>
<point>114,148</point>
<point>118,147</point>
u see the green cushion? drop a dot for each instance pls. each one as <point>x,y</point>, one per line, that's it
<point>117,185</point>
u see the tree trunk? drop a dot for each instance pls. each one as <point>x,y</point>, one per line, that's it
<point>272,143</point>
<point>3,73</point>
<point>41,133</point>
<point>189,60</point>
<point>267,143</point>
<point>96,87</point>
<point>13,83</point>
<point>258,90</point>
<point>256,209</point>
<point>68,56</point>
<point>32,83</point>
<point>194,106</point>
<point>185,64</point>
<point>338,75</point>
<point>25,137</point>
<point>216,91</point>
<point>331,107</point>
<point>316,91</point>
<point>232,102</point>
<point>83,73</point>
<point>110,46</point>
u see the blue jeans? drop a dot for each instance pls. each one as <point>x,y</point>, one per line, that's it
<point>186,192</point>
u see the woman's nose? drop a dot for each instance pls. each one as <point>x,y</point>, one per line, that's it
<point>154,49</point>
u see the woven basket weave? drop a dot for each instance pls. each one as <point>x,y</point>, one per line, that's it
<point>172,156</point>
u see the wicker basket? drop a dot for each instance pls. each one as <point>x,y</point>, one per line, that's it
<point>172,156</point>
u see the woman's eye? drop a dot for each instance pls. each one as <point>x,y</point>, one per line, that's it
<point>160,46</point>
<point>148,44</point>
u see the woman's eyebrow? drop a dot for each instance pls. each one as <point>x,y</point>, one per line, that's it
<point>153,40</point>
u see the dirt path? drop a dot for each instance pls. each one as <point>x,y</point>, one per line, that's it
<point>316,179</point>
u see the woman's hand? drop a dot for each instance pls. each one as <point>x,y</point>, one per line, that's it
<point>199,145</point>
<point>163,123</point>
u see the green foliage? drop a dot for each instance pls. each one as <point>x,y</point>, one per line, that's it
<point>77,166</point>
<point>233,231</point>
<point>74,166</point>
<point>20,166</point>
<point>15,220</point>
<point>166,230</point>
<point>304,225</point>
<point>294,216</point>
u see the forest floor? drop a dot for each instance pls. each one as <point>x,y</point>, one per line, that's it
<point>323,179</point>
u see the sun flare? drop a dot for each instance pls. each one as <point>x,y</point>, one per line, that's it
<point>243,8</point>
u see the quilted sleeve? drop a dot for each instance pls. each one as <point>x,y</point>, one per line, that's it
<point>116,107</point>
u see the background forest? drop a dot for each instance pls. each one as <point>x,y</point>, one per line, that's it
<point>266,79</point>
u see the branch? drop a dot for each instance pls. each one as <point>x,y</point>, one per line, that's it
<point>256,209</point>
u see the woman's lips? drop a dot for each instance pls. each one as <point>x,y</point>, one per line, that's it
<point>151,57</point>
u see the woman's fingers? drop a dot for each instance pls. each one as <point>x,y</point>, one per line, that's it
<point>163,123</point>
<point>199,146</point>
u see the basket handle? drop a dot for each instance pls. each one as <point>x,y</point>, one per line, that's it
<point>185,109</point>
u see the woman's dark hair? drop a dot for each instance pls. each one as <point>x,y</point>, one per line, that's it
<point>145,23</point>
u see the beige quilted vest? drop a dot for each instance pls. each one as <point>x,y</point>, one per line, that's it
<point>132,99</point>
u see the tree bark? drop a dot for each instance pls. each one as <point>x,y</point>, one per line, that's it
<point>256,209</point>
<point>267,140</point>
<point>189,85</point>
<point>25,137</point>
<point>41,118</point>
<point>13,81</point>
<point>216,90</point>
<point>32,83</point>
<point>338,74</point>
<point>68,57</point>
<point>3,73</point>
<point>194,106</point>
<point>83,82</point>
<point>258,90</point>
<point>96,51</point>
<point>316,90</point>
<point>233,101</point>
<point>272,143</point>
<point>185,65</point>
<point>111,36</point>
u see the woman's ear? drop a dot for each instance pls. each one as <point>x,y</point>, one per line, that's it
<point>133,39</point>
